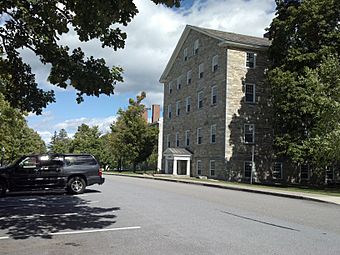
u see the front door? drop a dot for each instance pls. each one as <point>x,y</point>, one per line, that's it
<point>25,173</point>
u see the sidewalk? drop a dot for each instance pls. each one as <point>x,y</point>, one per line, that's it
<point>238,187</point>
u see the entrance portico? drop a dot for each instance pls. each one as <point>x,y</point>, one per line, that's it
<point>176,156</point>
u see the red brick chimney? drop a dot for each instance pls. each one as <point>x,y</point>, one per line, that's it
<point>156,110</point>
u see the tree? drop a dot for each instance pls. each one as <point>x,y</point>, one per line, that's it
<point>304,80</point>
<point>39,25</point>
<point>60,142</point>
<point>132,138</point>
<point>15,136</point>
<point>87,140</point>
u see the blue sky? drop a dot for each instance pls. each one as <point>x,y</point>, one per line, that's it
<point>152,36</point>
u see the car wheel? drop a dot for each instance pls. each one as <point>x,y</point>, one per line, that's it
<point>3,188</point>
<point>76,185</point>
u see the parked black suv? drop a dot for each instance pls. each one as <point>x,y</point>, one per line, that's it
<point>71,171</point>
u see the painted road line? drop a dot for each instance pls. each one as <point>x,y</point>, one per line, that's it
<point>73,232</point>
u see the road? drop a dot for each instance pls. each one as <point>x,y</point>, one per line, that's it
<point>137,216</point>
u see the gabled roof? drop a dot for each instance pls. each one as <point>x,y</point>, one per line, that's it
<point>177,152</point>
<point>224,38</point>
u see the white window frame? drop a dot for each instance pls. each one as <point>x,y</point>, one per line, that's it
<point>189,77</point>
<point>280,171</point>
<point>213,94</point>
<point>168,143</point>
<point>199,167</point>
<point>199,135</point>
<point>169,111</point>
<point>246,60</point>
<point>185,54</point>
<point>200,71</point>
<point>177,139</point>
<point>199,99</point>
<point>212,168</point>
<point>244,169</point>
<point>178,108</point>
<point>196,46</point>
<point>187,137</point>
<point>179,82</point>
<point>214,63</point>
<point>188,104</point>
<point>213,129</point>
<point>245,92</point>
<point>252,128</point>
<point>308,172</point>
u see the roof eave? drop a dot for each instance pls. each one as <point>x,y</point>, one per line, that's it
<point>243,45</point>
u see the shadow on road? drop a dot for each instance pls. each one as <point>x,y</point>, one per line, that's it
<point>39,215</point>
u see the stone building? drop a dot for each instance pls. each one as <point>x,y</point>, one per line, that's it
<point>217,122</point>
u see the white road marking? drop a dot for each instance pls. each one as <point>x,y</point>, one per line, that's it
<point>74,232</point>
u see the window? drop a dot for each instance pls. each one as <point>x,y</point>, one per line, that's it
<point>200,70</point>
<point>199,167</point>
<point>185,54</point>
<point>187,138</point>
<point>168,140</point>
<point>179,82</point>
<point>169,111</point>
<point>196,44</point>
<point>199,136</point>
<point>248,166</point>
<point>177,139</point>
<point>277,171</point>
<point>187,104</point>
<point>29,162</point>
<point>170,87</point>
<point>251,60</point>
<point>212,167</point>
<point>189,77</point>
<point>249,133</point>
<point>213,134</point>
<point>304,172</point>
<point>178,109</point>
<point>329,173</point>
<point>213,95</point>
<point>200,100</point>
<point>214,66</point>
<point>250,93</point>
<point>79,160</point>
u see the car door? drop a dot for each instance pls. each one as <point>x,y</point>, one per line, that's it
<point>25,173</point>
<point>50,172</point>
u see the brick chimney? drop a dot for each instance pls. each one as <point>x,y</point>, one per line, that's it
<point>156,109</point>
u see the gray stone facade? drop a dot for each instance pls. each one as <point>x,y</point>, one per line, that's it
<point>229,114</point>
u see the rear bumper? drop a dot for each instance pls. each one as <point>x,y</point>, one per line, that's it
<point>95,180</point>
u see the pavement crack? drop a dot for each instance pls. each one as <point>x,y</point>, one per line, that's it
<point>260,221</point>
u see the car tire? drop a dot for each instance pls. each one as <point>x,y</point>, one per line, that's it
<point>3,188</point>
<point>76,185</point>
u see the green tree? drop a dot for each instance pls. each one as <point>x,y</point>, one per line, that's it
<point>87,140</point>
<point>304,80</point>
<point>15,136</point>
<point>60,142</point>
<point>132,138</point>
<point>38,26</point>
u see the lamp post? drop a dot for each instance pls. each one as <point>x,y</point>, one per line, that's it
<point>2,155</point>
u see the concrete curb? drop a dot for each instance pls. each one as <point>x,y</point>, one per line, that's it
<point>213,185</point>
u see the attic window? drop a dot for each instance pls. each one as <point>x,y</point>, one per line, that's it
<point>251,60</point>
<point>196,44</point>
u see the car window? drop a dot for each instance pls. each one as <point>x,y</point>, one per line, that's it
<point>29,162</point>
<point>79,160</point>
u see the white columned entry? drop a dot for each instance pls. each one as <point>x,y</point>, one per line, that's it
<point>174,172</point>
<point>188,167</point>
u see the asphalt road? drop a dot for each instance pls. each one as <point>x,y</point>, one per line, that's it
<point>137,216</point>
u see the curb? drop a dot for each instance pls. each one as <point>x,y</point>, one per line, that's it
<point>212,185</point>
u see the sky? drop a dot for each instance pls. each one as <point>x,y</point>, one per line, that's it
<point>152,37</point>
